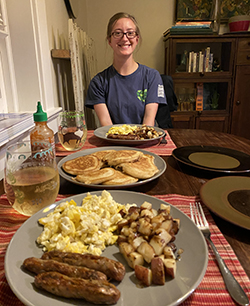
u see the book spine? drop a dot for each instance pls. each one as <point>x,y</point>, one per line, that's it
<point>211,62</point>
<point>199,97</point>
<point>201,59</point>
<point>190,61</point>
<point>194,61</point>
<point>207,59</point>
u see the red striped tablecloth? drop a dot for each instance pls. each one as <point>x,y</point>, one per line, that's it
<point>211,290</point>
<point>94,142</point>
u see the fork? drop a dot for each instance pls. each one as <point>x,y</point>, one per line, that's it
<point>163,140</point>
<point>233,287</point>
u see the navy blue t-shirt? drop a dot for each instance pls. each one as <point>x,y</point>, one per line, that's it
<point>126,96</point>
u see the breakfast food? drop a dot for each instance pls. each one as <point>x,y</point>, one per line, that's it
<point>143,168</point>
<point>94,291</point>
<point>88,228</point>
<point>117,157</point>
<point>112,268</point>
<point>37,266</point>
<point>147,238</point>
<point>115,167</point>
<point>96,177</point>
<point>82,164</point>
<point>120,179</point>
<point>101,154</point>
<point>129,132</point>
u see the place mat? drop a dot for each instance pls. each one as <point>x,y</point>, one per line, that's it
<point>92,142</point>
<point>211,291</point>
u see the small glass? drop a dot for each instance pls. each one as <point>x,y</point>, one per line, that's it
<point>31,179</point>
<point>72,130</point>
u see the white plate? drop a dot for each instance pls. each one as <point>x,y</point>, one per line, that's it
<point>159,162</point>
<point>190,269</point>
<point>102,131</point>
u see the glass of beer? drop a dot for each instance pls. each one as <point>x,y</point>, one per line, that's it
<point>31,180</point>
<point>72,130</point>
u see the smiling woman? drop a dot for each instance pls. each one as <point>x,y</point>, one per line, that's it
<point>125,92</point>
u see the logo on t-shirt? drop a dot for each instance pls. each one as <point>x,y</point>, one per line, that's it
<point>160,91</point>
<point>142,95</point>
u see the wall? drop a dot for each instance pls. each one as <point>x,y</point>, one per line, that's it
<point>153,17</point>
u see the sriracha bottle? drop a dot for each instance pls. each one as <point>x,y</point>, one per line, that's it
<point>41,133</point>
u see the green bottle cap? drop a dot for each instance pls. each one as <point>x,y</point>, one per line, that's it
<point>40,115</point>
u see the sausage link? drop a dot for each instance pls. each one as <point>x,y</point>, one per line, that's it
<point>112,268</point>
<point>37,265</point>
<point>94,291</point>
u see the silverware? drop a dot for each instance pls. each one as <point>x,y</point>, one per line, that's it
<point>163,140</point>
<point>233,287</point>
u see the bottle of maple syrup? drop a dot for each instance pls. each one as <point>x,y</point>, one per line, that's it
<point>41,133</point>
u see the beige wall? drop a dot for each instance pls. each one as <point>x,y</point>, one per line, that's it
<point>153,16</point>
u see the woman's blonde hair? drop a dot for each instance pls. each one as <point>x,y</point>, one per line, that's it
<point>118,16</point>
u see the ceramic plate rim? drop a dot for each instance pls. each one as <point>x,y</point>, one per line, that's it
<point>184,284</point>
<point>101,133</point>
<point>191,164</point>
<point>224,214</point>
<point>159,161</point>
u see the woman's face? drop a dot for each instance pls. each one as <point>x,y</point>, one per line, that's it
<point>123,45</point>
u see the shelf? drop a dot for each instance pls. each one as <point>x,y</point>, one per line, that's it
<point>60,54</point>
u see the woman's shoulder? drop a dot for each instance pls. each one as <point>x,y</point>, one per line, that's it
<point>148,70</point>
<point>103,76</point>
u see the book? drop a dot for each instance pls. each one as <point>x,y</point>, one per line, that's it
<point>199,97</point>
<point>188,31</point>
<point>207,59</point>
<point>194,62</point>
<point>201,60</point>
<point>210,65</point>
<point>200,24</point>
<point>190,61</point>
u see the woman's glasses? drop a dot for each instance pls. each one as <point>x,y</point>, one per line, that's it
<point>120,34</point>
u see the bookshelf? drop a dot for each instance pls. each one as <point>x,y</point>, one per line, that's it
<point>213,85</point>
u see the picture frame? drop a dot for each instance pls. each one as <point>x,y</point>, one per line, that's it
<point>230,8</point>
<point>194,10</point>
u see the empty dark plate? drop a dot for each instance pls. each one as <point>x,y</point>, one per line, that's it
<point>216,159</point>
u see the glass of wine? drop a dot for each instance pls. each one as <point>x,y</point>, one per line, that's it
<point>31,179</point>
<point>72,130</point>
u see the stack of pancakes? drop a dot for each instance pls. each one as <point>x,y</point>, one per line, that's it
<point>112,167</point>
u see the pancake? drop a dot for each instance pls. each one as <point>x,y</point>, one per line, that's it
<point>144,168</point>
<point>101,154</point>
<point>96,177</point>
<point>82,164</point>
<point>117,157</point>
<point>121,179</point>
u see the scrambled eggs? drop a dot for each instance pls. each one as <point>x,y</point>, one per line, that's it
<point>82,229</point>
<point>122,130</point>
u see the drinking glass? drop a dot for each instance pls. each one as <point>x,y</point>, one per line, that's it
<point>72,130</point>
<point>31,179</point>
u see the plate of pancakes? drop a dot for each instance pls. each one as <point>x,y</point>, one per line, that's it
<point>111,167</point>
<point>102,132</point>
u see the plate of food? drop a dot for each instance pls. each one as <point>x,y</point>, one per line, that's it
<point>111,167</point>
<point>215,159</point>
<point>229,198</point>
<point>127,289</point>
<point>129,134</point>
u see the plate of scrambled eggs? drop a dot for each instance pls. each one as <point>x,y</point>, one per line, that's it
<point>125,129</point>
<point>59,225</point>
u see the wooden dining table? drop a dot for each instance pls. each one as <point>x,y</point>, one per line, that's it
<point>184,180</point>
